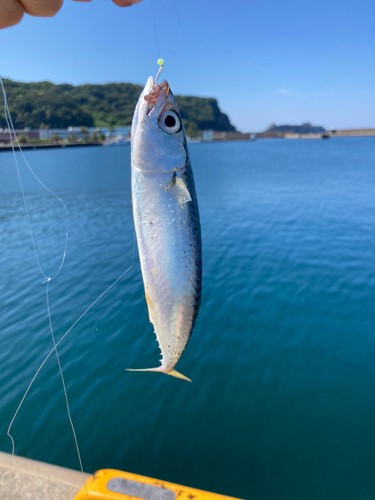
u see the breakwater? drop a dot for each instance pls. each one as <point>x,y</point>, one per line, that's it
<point>8,147</point>
<point>239,136</point>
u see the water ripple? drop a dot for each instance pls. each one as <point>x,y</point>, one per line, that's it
<point>282,357</point>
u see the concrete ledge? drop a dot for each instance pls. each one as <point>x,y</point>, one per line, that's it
<point>30,479</point>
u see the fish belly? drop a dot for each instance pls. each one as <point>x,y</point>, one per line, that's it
<point>170,252</point>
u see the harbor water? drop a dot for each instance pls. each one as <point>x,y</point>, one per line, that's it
<point>282,359</point>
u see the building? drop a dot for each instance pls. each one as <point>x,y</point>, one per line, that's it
<point>7,136</point>
<point>63,133</point>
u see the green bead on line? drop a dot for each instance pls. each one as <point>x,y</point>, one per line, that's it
<point>160,62</point>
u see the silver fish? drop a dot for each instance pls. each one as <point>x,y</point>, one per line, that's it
<point>167,222</point>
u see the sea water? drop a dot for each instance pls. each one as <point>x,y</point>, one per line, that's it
<point>282,359</point>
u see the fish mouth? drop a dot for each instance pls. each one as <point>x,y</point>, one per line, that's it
<point>149,86</point>
<point>156,91</point>
<point>142,108</point>
<point>154,100</point>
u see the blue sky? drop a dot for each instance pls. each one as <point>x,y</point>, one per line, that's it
<point>266,62</point>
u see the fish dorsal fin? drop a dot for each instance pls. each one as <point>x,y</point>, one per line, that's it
<point>177,188</point>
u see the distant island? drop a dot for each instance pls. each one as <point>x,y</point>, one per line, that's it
<point>305,128</point>
<point>39,105</point>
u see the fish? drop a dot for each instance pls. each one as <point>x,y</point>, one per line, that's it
<point>167,223</point>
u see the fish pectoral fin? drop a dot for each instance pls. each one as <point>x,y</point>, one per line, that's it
<point>172,373</point>
<point>177,188</point>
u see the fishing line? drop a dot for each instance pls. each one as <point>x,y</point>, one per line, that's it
<point>155,27</point>
<point>179,33</point>
<point>11,129</point>
<point>59,342</point>
<point>156,31</point>
<point>12,133</point>
<point>48,281</point>
<point>64,386</point>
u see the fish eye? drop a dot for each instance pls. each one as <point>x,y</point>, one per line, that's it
<point>170,122</point>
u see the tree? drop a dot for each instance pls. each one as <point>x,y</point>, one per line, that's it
<point>22,139</point>
<point>83,129</point>
<point>72,138</point>
<point>55,137</point>
<point>94,137</point>
<point>110,105</point>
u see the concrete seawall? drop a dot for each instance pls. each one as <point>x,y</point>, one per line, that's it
<point>29,146</point>
<point>238,136</point>
<point>25,479</point>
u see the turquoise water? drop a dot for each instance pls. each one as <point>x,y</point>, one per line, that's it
<point>282,403</point>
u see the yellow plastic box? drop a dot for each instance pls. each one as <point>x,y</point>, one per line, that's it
<point>109,484</point>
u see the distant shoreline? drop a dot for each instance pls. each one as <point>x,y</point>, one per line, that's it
<point>360,132</point>
<point>26,146</point>
<point>239,136</point>
<point>216,137</point>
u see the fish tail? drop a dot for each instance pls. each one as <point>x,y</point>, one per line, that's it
<point>159,369</point>
<point>176,374</point>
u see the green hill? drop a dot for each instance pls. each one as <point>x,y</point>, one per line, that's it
<point>305,128</point>
<point>40,104</point>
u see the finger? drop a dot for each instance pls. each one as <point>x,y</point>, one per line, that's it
<point>125,3</point>
<point>11,13</point>
<point>42,8</point>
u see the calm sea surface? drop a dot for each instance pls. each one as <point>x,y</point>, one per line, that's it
<point>282,359</point>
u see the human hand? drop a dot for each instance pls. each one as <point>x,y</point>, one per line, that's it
<point>12,11</point>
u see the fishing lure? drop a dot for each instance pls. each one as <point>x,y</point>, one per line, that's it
<point>166,220</point>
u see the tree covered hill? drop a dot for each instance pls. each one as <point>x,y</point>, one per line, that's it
<point>305,128</point>
<point>45,104</point>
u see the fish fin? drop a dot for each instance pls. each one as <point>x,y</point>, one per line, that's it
<point>143,369</point>
<point>177,188</point>
<point>173,373</point>
<point>176,374</point>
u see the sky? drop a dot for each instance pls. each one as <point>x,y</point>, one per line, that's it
<point>266,61</point>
